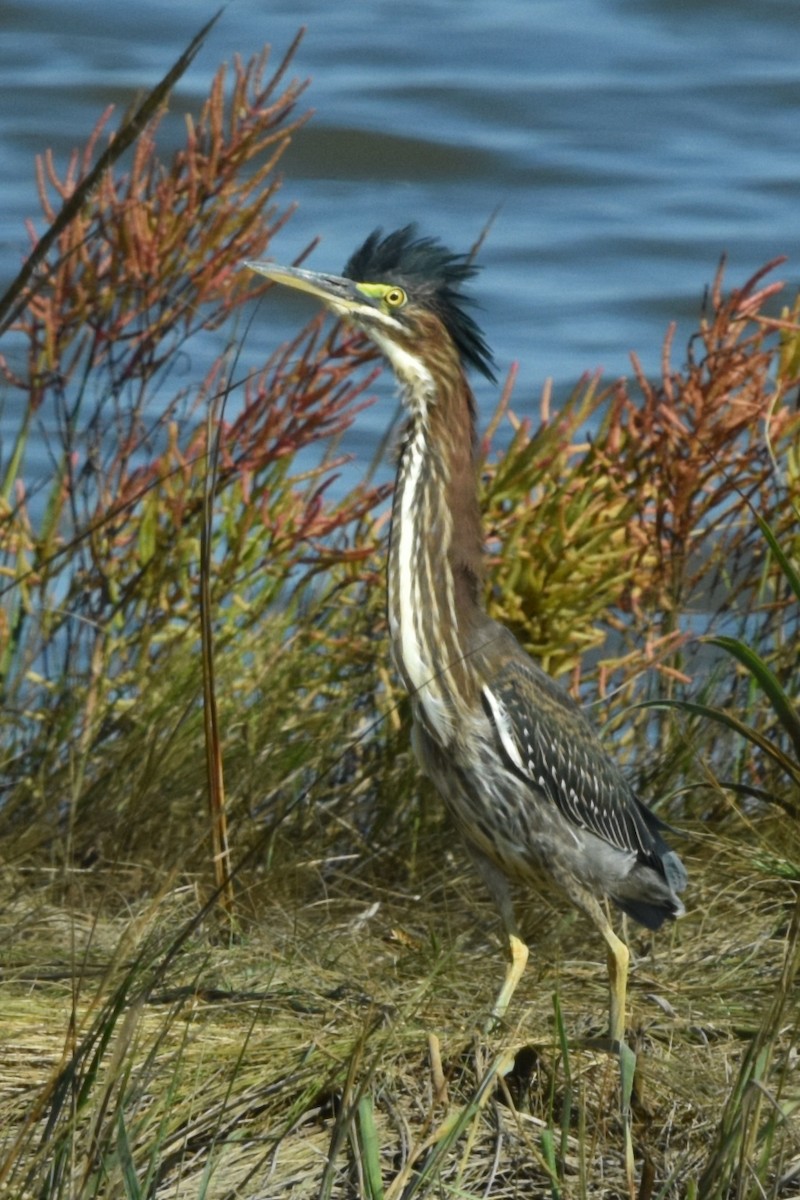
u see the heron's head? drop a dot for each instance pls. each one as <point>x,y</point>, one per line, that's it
<point>405,293</point>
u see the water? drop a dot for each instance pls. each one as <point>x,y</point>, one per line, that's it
<point>627,144</point>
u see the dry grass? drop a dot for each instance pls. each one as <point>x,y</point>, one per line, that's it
<point>236,1067</point>
<point>321,1037</point>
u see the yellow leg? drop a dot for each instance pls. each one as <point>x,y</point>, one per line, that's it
<point>500,892</point>
<point>514,971</point>
<point>618,959</point>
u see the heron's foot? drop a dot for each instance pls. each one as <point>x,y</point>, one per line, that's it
<point>599,1044</point>
<point>492,1024</point>
<point>602,1041</point>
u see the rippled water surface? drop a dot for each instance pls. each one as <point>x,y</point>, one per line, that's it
<point>625,144</point>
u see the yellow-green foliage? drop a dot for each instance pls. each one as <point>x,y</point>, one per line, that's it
<point>623,512</point>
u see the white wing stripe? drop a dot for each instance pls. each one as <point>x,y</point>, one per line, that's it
<point>505,731</point>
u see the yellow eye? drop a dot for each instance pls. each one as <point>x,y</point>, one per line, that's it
<point>395,297</point>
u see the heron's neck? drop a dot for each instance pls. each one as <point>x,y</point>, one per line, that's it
<point>435,570</point>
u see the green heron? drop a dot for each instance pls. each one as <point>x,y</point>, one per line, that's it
<point>530,787</point>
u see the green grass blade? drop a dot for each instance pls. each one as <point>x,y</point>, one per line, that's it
<point>708,712</point>
<point>768,682</point>
<point>787,566</point>
<point>370,1153</point>
<point>549,1153</point>
<point>132,1189</point>
<point>563,1041</point>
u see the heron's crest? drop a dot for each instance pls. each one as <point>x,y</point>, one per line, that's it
<point>432,276</point>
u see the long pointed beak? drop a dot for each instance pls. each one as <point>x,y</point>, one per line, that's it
<point>339,294</point>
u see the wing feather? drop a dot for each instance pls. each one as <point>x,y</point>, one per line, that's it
<point>545,739</point>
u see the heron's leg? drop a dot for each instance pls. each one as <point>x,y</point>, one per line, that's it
<point>618,954</point>
<point>618,959</point>
<point>500,892</point>
<point>514,971</point>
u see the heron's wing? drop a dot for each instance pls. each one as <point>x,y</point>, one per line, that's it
<point>544,738</point>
